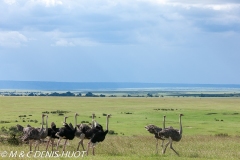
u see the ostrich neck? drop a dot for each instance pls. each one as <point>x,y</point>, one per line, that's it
<point>93,121</point>
<point>47,124</point>
<point>42,121</point>
<point>65,119</point>
<point>75,120</point>
<point>107,123</point>
<point>180,122</point>
<point>163,122</point>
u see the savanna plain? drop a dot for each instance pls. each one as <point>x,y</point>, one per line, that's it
<point>211,126</point>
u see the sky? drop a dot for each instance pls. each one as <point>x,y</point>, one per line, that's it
<point>149,41</point>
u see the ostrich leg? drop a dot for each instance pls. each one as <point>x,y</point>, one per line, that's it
<point>162,143</point>
<point>80,142</point>
<point>166,145</point>
<point>58,143</point>
<point>172,147</point>
<point>52,143</point>
<point>30,145</point>
<point>64,145</point>
<point>93,148</point>
<point>37,144</point>
<point>88,147</point>
<point>48,143</point>
<point>157,146</point>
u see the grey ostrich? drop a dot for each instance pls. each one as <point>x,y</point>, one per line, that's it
<point>155,130</point>
<point>98,136</point>
<point>22,129</point>
<point>172,135</point>
<point>79,133</point>
<point>44,131</point>
<point>34,134</point>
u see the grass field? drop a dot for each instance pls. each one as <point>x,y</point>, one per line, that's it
<point>204,121</point>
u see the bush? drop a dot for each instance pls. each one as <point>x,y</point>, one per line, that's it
<point>222,135</point>
<point>111,132</point>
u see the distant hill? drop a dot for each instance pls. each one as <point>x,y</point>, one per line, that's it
<point>65,86</point>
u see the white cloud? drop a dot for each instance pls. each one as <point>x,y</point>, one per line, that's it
<point>12,39</point>
<point>10,2</point>
<point>70,42</point>
<point>47,3</point>
<point>89,23</point>
<point>63,42</point>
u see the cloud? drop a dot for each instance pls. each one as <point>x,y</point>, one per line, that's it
<point>12,39</point>
<point>74,42</point>
<point>10,2</point>
<point>49,3</point>
<point>120,22</point>
<point>63,42</point>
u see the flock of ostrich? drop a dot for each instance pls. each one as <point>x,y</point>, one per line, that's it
<point>93,132</point>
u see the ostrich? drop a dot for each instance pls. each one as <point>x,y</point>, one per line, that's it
<point>172,135</point>
<point>66,133</point>
<point>44,133</point>
<point>98,136</point>
<point>22,129</point>
<point>34,134</point>
<point>155,130</point>
<point>79,133</point>
<point>51,133</point>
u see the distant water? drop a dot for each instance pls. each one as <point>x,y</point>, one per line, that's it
<point>76,86</point>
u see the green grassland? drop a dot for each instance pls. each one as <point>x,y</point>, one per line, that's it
<point>204,121</point>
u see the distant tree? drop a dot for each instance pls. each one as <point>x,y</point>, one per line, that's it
<point>89,94</point>
<point>68,94</point>
<point>79,95</point>
<point>31,94</point>
<point>149,95</point>
<point>54,94</point>
<point>42,94</point>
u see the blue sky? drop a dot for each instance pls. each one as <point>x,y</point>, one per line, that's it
<point>159,41</point>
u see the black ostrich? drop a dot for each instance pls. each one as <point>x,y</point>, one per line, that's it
<point>67,133</point>
<point>155,130</point>
<point>98,135</point>
<point>172,135</point>
<point>52,133</point>
<point>85,128</point>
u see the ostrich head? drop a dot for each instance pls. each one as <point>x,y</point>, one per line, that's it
<point>181,115</point>
<point>76,114</point>
<point>53,124</point>
<point>152,128</point>
<point>19,127</point>
<point>64,123</point>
